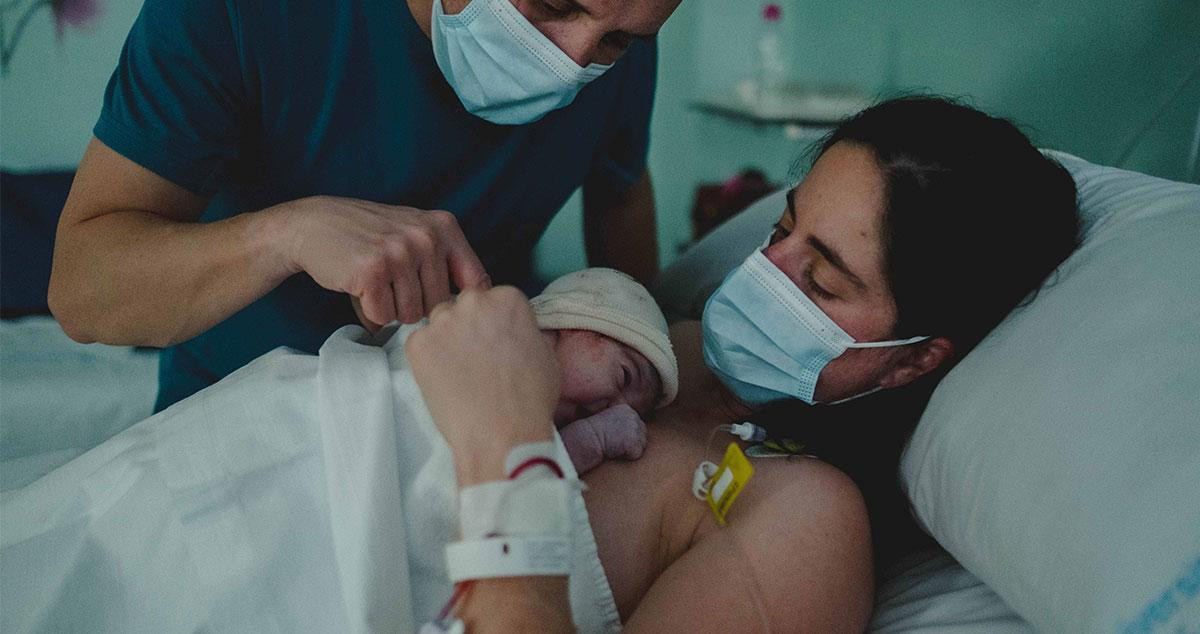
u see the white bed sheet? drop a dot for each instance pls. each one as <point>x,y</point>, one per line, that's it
<point>931,593</point>
<point>59,398</point>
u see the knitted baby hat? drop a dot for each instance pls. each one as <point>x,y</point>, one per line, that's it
<point>615,305</point>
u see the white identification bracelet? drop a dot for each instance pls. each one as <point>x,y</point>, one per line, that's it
<point>516,507</point>
<point>537,501</point>
<point>526,556</point>
<point>519,527</point>
<point>525,451</point>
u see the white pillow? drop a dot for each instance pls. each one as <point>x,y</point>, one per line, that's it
<point>1060,461</point>
<point>684,286</point>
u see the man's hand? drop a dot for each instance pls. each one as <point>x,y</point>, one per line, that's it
<point>489,378</point>
<point>395,262</point>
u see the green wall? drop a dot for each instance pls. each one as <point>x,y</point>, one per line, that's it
<point>1085,77</point>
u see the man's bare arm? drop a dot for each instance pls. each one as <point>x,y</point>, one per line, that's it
<point>131,265</point>
<point>619,229</point>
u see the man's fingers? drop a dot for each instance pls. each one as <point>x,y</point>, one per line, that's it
<point>466,271</point>
<point>406,288</point>
<point>435,282</point>
<point>371,326</point>
<point>378,305</point>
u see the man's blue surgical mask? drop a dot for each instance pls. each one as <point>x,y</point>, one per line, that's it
<point>766,340</point>
<point>503,68</point>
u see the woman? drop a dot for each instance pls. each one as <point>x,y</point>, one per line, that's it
<point>921,225</point>
<point>796,554</point>
<point>974,219</point>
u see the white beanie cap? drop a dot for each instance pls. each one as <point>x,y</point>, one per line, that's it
<point>613,304</point>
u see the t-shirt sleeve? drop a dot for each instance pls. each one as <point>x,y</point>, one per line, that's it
<point>176,102</point>
<point>621,158</point>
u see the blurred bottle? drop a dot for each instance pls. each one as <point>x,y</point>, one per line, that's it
<point>771,69</point>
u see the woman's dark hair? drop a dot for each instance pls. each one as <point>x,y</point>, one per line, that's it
<point>976,219</point>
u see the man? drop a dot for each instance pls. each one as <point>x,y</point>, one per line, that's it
<point>256,162</point>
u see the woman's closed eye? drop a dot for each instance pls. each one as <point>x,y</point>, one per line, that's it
<point>778,233</point>
<point>817,289</point>
<point>555,9</point>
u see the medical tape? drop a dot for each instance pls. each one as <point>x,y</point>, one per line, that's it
<point>524,506</point>
<point>528,556</point>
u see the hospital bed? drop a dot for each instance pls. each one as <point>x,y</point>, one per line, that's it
<point>1059,461</point>
<point>59,398</point>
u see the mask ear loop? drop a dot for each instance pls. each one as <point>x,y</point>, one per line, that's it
<point>874,344</point>
<point>891,343</point>
<point>851,398</point>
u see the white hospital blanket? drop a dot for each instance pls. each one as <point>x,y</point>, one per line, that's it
<point>301,493</point>
<point>59,398</point>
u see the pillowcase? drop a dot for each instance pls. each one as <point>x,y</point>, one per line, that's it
<point>1060,460</point>
<point>683,287</point>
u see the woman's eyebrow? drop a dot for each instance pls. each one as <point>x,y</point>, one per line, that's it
<point>836,260</point>
<point>819,245</point>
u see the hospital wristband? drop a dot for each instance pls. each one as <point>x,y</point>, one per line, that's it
<point>528,505</point>
<point>494,557</point>
<point>545,451</point>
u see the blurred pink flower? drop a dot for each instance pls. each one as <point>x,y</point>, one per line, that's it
<point>74,13</point>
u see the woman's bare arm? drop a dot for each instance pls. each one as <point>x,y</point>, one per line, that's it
<point>796,557</point>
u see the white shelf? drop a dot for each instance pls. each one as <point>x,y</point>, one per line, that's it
<point>814,108</point>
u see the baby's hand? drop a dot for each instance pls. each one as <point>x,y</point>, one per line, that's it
<point>617,432</point>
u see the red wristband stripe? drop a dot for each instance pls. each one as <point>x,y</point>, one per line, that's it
<point>534,461</point>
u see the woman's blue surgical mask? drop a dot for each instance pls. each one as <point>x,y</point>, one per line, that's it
<point>766,340</point>
<point>503,68</point>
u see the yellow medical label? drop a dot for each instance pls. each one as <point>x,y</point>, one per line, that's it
<point>731,477</point>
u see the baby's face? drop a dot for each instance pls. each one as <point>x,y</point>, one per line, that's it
<point>598,373</point>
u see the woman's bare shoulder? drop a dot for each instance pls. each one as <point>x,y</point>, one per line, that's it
<point>794,556</point>
<point>805,537</point>
<point>798,533</point>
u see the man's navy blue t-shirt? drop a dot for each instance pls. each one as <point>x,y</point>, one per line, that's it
<point>256,103</point>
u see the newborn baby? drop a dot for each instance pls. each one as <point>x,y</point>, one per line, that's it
<point>615,360</point>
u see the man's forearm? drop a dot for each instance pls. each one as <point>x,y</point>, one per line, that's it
<point>137,278</point>
<point>620,229</point>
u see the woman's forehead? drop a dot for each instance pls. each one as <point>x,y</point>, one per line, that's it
<point>841,203</point>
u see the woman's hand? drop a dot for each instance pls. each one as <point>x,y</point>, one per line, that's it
<point>395,262</point>
<point>489,378</point>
